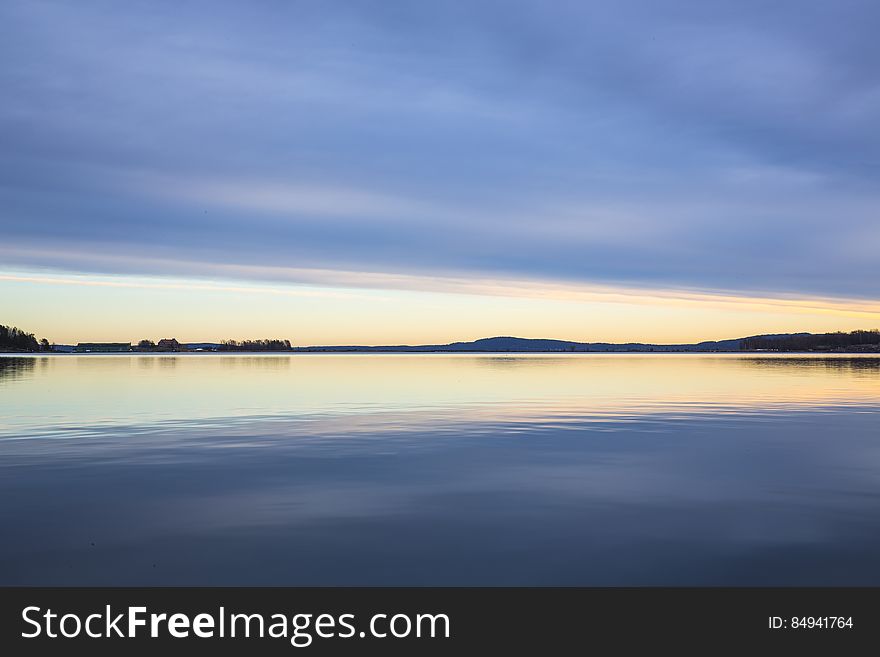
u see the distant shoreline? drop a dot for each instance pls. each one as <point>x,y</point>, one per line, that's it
<point>317,352</point>
<point>854,342</point>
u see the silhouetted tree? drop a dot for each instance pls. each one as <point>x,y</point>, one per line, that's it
<point>839,341</point>
<point>255,345</point>
<point>14,339</point>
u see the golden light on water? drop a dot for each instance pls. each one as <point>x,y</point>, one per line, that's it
<point>102,390</point>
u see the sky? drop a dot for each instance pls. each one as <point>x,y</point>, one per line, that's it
<point>417,172</point>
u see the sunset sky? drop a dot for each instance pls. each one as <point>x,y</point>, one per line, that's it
<point>385,172</point>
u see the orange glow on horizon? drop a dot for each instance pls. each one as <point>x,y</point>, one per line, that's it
<point>333,307</point>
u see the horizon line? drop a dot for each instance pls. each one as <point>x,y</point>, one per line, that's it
<point>355,345</point>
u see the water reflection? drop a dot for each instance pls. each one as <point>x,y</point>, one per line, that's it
<point>97,391</point>
<point>12,367</point>
<point>870,365</point>
<point>440,470</point>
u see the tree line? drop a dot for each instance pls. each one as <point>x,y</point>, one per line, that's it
<point>254,345</point>
<point>226,345</point>
<point>14,339</point>
<point>814,342</point>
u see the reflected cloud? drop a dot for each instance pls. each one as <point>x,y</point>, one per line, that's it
<point>356,393</point>
<point>596,469</point>
<point>697,499</point>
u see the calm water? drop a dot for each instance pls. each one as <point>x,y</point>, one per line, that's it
<point>436,469</point>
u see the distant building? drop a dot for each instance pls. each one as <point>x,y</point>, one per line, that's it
<point>169,344</point>
<point>102,347</point>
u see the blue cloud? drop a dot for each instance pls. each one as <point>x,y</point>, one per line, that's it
<point>724,145</point>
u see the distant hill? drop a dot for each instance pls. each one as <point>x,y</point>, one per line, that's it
<point>531,345</point>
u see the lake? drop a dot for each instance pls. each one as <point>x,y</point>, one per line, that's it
<point>490,469</point>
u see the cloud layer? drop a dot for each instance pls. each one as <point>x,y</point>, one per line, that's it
<point>727,146</point>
